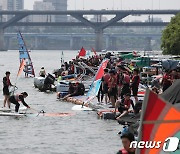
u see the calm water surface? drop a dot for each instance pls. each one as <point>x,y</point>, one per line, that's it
<point>79,134</point>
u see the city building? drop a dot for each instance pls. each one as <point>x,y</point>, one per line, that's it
<point>59,5</point>
<point>15,4</point>
<point>39,5</point>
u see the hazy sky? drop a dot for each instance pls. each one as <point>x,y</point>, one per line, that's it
<point>116,4</point>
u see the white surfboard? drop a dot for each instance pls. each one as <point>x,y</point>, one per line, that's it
<point>5,109</point>
<point>80,108</point>
<point>21,109</point>
<point>11,114</point>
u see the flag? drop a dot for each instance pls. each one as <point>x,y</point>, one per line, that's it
<point>159,120</point>
<point>21,67</point>
<point>94,52</point>
<point>82,52</point>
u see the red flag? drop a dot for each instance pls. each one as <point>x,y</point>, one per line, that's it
<point>21,67</point>
<point>82,52</point>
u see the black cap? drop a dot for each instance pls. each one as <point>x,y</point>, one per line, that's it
<point>25,93</point>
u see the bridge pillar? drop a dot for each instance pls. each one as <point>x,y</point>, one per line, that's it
<point>99,40</point>
<point>75,43</point>
<point>2,44</point>
<point>148,46</point>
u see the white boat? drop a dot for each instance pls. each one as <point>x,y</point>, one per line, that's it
<point>39,82</point>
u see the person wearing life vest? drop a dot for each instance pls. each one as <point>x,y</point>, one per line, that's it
<point>127,138</point>
<point>6,85</point>
<point>125,84</point>
<point>124,105</point>
<point>135,83</point>
<point>15,99</point>
<point>42,72</point>
<point>105,80</point>
<point>112,89</point>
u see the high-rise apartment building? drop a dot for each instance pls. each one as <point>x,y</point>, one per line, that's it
<point>43,6</point>
<point>60,5</point>
<point>15,4</point>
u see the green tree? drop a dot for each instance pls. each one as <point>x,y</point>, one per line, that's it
<point>170,41</point>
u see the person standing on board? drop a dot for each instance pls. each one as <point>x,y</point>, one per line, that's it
<point>135,84</point>
<point>42,72</point>
<point>6,85</point>
<point>15,99</point>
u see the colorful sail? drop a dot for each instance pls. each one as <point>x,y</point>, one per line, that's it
<point>159,120</point>
<point>93,91</point>
<point>21,67</point>
<point>24,54</point>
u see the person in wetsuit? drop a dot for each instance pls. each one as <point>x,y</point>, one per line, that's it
<point>15,99</point>
<point>6,85</point>
<point>135,83</point>
<point>124,105</point>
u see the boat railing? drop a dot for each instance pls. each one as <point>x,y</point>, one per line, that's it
<point>88,67</point>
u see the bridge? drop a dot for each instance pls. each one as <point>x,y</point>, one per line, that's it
<point>82,21</point>
<point>74,39</point>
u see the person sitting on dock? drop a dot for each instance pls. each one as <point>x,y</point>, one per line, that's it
<point>42,72</point>
<point>79,89</point>
<point>127,138</point>
<point>124,105</point>
<point>15,99</point>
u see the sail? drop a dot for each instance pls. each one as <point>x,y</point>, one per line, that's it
<point>21,67</point>
<point>159,120</point>
<point>24,54</point>
<point>93,91</point>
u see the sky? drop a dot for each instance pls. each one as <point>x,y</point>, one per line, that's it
<point>118,5</point>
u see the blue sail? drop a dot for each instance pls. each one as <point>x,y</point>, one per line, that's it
<point>24,54</point>
<point>93,91</point>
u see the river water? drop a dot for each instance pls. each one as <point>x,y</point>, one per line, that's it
<point>78,134</point>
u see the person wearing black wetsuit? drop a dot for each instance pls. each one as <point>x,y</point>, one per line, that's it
<point>6,85</point>
<point>15,99</point>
